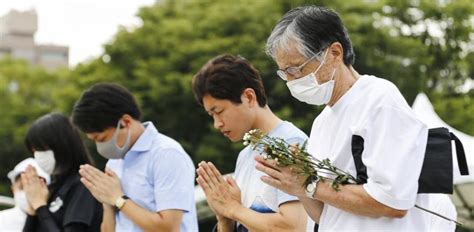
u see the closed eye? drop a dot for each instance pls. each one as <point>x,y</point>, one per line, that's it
<point>102,139</point>
<point>213,111</point>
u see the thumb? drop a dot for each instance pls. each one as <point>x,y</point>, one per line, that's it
<point>231,181</point>
<point>24,179</point>
<point>110,173</point>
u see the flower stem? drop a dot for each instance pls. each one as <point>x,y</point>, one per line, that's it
<point>439,215</point>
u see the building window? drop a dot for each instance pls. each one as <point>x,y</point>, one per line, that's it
<point>53,56</point>
<point>26,54</point>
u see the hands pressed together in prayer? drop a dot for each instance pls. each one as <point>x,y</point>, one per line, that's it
<point>284,178</point>
<point>223,194</point>
<point>105,187</point>
<point>35,189</point>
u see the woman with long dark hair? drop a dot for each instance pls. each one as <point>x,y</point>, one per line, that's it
<point>64,205</point>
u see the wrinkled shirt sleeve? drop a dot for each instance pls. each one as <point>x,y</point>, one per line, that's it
<point>394,148</point>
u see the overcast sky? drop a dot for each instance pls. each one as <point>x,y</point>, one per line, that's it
<point>83,25</point>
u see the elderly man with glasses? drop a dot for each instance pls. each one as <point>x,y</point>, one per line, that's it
<point>314,53</point>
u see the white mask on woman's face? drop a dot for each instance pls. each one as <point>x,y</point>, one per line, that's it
<point>306,89</point>
<point>20,200</point>
<point>45,160</point>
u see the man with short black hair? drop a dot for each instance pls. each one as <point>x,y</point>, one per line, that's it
<point>148,184</point>
<point>231,91</point>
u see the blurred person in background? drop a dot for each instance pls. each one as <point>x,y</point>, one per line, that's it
<point>13,220</point>
<point>66,204</point>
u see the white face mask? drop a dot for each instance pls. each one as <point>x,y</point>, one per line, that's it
<point>20,200</point>
<point>306,89</point>
<point>45,160</point>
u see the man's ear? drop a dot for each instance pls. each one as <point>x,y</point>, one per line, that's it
<point>337,51</point>
<point>249,97</point>
<point>126,120</point>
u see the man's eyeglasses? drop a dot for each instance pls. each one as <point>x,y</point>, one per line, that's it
<point>294,70</point>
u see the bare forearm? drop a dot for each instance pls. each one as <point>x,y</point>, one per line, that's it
<point>354,199</point>
<point>225,224</point>
<point>255,221</point>
<point>108,222</point>
<point>313,208</point>
<point>147,220</point>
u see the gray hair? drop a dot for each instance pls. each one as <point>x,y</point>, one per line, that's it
<point>312,29</point>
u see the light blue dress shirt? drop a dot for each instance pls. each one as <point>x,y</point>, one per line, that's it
<point>157,174</point>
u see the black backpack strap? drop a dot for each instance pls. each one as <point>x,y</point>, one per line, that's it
<point>462,163</point>
<point>357,146</point>
<point>436,175</point>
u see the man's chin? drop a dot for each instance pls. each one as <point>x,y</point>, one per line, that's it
<point>234,139</point>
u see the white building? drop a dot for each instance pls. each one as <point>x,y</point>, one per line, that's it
<point>17,30</point>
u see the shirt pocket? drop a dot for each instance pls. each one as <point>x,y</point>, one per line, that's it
<point>137,188</point>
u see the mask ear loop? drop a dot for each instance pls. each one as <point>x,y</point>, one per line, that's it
<point>120,126</point>
<point>333,76</point>
<point>319,67</point>
<point>322,62</point>
<point>117,131</point>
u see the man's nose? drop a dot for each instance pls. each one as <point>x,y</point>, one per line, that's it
<point>218,122</point>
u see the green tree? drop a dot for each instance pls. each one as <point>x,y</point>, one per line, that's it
<point>25,94</point>
<point>158,59</point>
<point>420,45</point>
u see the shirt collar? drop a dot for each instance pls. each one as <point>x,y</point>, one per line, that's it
<point>347,97</point>
<point>145,141</point>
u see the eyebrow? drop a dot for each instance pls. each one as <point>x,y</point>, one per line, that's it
<point>292,64</point>
<point>212,109</point>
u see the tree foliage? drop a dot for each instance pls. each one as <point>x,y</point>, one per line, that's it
<point>420,45</point>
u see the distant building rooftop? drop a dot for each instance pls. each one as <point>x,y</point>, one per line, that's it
<point>17,31</point>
